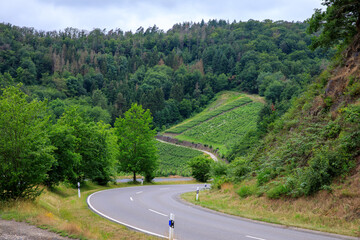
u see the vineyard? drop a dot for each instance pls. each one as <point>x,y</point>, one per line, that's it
<point>209,113</point>
<point>173,160</point>
<point>226,129</point>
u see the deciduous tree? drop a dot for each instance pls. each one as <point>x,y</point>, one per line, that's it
<point>25,149</point>
<point>136,142</point>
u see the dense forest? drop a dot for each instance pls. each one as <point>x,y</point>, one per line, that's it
<point>71,87</point>
<point>174,74</point>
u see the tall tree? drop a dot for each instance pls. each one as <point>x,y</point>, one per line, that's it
<point>138,153</point>
<point>339,22</point>
<point>25,149</point>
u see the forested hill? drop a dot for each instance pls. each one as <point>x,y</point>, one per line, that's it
<point>173,73</point>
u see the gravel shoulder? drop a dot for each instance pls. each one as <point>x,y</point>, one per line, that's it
<point>12,230</point>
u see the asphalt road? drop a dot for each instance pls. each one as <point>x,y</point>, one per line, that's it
<point>159,179</point>
<point>147,209</point>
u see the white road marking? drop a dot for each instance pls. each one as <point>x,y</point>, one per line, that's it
<point>114,220</point>
<point>165,188</point>
<point>254,237</point>
<point>139,192</point>
<point>158,213</point>
<point>131,199</point>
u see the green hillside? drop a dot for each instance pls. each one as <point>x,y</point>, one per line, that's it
<point>223,123</point>
<point>173,159</point>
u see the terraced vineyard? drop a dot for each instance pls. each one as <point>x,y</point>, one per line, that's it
<point>225,122</point>
<point>173,159</point>
<point>224,130</point>
<point>211,112</point>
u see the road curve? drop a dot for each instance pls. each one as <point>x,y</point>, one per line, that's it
<point>147,209</point>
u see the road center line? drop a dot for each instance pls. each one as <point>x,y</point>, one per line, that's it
<point>166,188</point>
<point>158,213</point>
<point>139,192</point>
<point>254,237</point>
<point>131,199</point>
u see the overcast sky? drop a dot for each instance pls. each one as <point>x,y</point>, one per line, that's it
<point>131,14</point>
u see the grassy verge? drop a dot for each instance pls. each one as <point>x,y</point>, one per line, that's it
<point>61,211</point>
<point>321,212</point>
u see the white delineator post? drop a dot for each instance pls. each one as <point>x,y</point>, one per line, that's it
<point>79,189</point>
<point>197,194</point>
<point>171,226</point>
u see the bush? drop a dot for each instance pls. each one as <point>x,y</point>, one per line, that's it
<point>265,175</point>
<point>239,168</point>
<point>277,191</point>
<point>245,191</point>
<point>200,167</point>
<point>218,169</point>
<point>219,181</point>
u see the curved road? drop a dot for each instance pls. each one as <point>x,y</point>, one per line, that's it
<point>147,209</point>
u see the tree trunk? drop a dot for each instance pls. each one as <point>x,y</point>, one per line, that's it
<point>134,177</point>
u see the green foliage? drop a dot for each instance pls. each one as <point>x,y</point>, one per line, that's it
<point>95,147</point>
<point>174,74</point>
<point>25,149</point>
<point>277,191</point>
<point>353,87</point>
<point>218,169</point>
<point>339,22</point>
<point>208,115</point>
<point>225,129</point>
<point>173,160</point>
<point>136,139</point>
<point>200,168</point>
<point>245,191</point>
<point>239,168</point>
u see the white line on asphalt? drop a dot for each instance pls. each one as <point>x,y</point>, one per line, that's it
<point>165,188</point>
<point>139,192</point>
<point>131,199</point>
<point>114,220</point>
<point>255,237</point>
<point>158,213</point>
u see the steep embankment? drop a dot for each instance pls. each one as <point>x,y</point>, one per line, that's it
<point>306,172</point>
<point>221,124</point>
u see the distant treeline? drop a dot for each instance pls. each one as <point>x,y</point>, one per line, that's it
<point>174,73</point>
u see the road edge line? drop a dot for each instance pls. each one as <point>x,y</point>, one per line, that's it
<point>116,221</point>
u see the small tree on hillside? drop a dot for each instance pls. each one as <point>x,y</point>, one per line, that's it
<point>137,142</point>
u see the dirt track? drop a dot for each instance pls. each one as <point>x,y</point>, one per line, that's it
<point>11,230</point>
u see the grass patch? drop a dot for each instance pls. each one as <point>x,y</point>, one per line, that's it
<point>320,212</point>
<point>61,211</point>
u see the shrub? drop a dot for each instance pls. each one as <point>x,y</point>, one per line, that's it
<point>277,191</point>
<point>219,181</point>
<point>245,191</point>
<point>218,169</point>
<point>265,175</point>
<point>239,168</point>
<point>200,167</point>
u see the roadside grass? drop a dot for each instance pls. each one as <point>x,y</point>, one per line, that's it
<point>61,211</point>
<point>324,211</point>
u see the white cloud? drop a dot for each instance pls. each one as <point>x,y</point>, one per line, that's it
<point>129,15</point>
